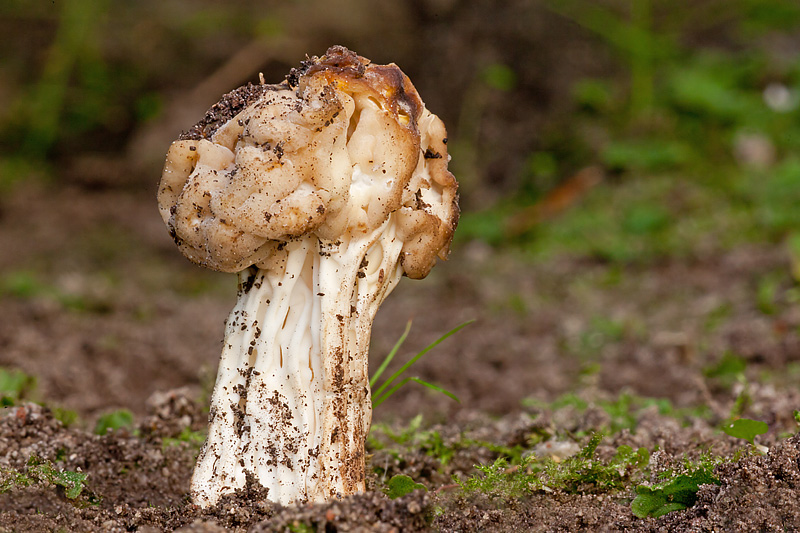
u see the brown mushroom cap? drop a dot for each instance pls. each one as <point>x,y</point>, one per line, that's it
<point>335,150</point>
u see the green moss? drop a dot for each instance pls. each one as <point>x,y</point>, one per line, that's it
<point>39,471</point>
<point>581,473</point>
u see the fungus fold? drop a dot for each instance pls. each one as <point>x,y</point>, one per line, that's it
<point>320,192</point>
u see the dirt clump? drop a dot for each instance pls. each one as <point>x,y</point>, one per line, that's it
<point>758,493</point>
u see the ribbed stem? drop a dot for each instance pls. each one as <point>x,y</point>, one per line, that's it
<point>291,408</point>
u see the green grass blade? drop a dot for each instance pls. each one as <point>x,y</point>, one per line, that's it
<point>390,356</point>
<point>377,400</point>
<point>416,358</point>
<point>436,388</point>
<point>385,396</point>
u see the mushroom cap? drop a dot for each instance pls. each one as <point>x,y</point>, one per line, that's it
<point>336,149</point>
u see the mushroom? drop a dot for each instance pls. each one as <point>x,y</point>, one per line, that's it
<point>321,192</point>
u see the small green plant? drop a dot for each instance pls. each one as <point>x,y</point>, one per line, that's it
<point>405,435</point>
<point>301,527</point>
<point>729,369</point>
<point>584,472</point>
<point>386,389</point>
<point>502,479</point>
<point>15,385</point>
<point>67,417</point>
<point>412,436</point>
<point>40,471</point>
<point>400,485</point>
<point>194,439</point>
<point>121,418</point>
<point>675,494</point>
<point>10,478</point>
<point>72,482</point>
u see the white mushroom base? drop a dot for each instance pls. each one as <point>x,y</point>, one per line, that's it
<point>291,407</point>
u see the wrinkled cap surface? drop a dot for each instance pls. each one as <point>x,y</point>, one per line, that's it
<point>337,149</point>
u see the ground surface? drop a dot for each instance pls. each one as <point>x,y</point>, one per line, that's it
<point>103,311</point>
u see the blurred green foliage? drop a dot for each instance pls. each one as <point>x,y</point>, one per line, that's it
<point>81,76</point>
<point>692,115</point>
<point>624,411</point>
<point>28,284</point>
<point>194,439</point>
<point>15,386</point>
<point>119,419</point>
<point>47,109</point>
<point>698,141</point>
<point>729,370</point>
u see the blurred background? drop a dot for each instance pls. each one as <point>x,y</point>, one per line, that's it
<point>536,94</point>
<point>618,132</point>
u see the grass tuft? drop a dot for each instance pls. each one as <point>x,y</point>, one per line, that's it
<point>389,387</point>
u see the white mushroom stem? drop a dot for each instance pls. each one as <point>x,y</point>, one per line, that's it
<point>291,408</point>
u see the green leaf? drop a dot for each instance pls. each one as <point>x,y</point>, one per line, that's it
<point>71,481</point>
<point>39,470</point>
<point>121,418</point>
<point>673,495</point>
<point>649,502</point>
<point>668,508</point>
<point>587,452</point>
<point>744,428</point>
<point>400,485</point>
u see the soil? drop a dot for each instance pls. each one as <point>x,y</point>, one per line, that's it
<point>116,318</point>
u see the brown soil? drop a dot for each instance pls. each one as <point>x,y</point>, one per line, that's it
<point>118,319</point>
